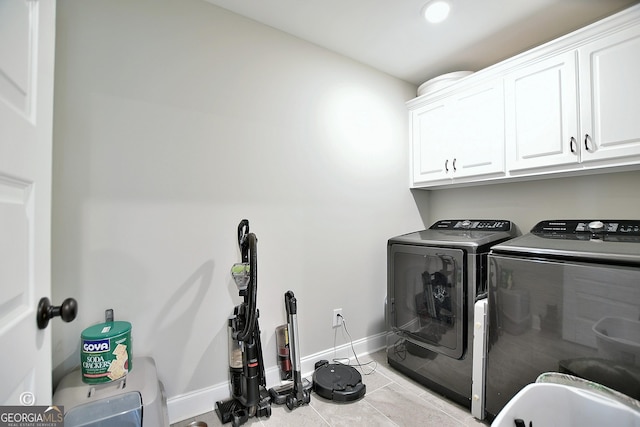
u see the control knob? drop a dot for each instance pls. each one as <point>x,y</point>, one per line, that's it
<point>596,226</point>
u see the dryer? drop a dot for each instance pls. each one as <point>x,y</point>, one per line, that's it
<point>434,277</point>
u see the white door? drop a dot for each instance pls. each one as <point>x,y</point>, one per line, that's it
<point>541,108</point>
<point>610,96</point>
<point>430,134</point>
<point>27,40</point>
<point>478,131</point>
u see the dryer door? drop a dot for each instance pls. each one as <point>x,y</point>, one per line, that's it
<point>427,293</point>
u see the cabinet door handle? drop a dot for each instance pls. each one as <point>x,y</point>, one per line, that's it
<point>572,145</point>
<point>446,165</point>
<point>586,142</point>
<point>454,165</point>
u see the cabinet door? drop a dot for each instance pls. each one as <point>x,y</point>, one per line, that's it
<point>460,136</point>
<point>610,91</point>
<point>429,136</point>
<point>541,114</point>
<point>478,131</point>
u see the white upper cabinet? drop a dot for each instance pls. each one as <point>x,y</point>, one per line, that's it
<point>458,137</point>
<point>610,96</point>
<point>568,107</point>
<point>429,131</point>
<point>549,123</point>
<point>479,130</point>
<point>541,113</point>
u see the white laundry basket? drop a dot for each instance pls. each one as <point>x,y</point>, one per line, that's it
<point>618,339</point>
<point>562,400</point>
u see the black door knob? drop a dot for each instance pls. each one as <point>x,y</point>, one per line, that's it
<point>67,311</point>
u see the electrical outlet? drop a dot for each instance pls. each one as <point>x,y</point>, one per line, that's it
<point>337,317</point>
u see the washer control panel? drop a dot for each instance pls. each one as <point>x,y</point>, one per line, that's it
<point>472,224</point>
<point>618,230</point>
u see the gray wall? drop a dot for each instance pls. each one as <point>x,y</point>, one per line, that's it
<point>176,119</point>
<point>613,196</point>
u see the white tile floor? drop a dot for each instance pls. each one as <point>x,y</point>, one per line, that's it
<point>391,400</point>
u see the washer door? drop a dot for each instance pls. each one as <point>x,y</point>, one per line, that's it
<point>426,287</point>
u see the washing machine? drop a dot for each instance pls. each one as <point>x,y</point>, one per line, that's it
<point>434,278</point>
<point>564,297</point>
<point>137,400</point>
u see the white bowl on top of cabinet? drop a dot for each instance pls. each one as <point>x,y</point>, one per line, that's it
<point>565,108</point>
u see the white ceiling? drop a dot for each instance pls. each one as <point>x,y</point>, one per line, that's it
<point>392,36</point>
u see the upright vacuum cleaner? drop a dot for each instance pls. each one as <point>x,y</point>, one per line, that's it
<point>249,397</point>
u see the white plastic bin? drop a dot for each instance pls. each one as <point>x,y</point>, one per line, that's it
<point>123,403</point>
<point>545,404</point>
<point>618,339</point>
<point>124,410</point>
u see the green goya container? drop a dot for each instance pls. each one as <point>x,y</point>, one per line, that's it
<point>105,352</point>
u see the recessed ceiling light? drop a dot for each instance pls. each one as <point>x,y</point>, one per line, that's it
<point>436,11</point>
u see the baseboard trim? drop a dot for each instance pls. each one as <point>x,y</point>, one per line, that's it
<point>198,402</point>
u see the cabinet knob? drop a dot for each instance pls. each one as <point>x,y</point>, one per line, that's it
<point>446,165</point>
<point>572,145</point>
<point>454,165</point>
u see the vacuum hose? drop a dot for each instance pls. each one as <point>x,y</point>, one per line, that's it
<point>248,243</point>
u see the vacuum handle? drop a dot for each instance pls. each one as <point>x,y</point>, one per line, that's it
<point>290,303</point>
<point>243,232</point>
